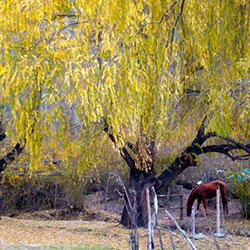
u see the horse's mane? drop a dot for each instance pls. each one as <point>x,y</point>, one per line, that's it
<point>192,192</point>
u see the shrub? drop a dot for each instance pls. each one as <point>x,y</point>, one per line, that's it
<point>240,187</point>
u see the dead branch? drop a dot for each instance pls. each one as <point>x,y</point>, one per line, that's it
<point>157,22</point>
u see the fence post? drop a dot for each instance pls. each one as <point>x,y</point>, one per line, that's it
<point>150,238</point>
<point>156,220</point>
<point>193,224</point>
<point>181,204</point>
<point>168,196</point>
<point>218,231</point>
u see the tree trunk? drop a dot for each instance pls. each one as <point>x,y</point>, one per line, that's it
<point>138,182</point>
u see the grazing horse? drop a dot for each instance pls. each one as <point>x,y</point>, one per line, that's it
<point>206,191</point>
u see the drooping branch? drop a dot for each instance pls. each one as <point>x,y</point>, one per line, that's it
<point>160,21</point>
<point>53,35</point>
<point>62,29</point>
<point>170,41</point>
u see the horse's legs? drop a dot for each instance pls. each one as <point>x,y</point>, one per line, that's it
<point>198,203</point>
<point>224,202</point>
<point>204,201</point>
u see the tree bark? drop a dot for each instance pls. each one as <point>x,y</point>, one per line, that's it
<point>138,182</point>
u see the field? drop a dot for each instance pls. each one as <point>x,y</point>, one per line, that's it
<point>77,234</point>
<point>100,230</point>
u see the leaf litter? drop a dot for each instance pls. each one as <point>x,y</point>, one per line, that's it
<point>29,233</point>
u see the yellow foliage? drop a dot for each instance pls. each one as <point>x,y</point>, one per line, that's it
<point>142,65</point>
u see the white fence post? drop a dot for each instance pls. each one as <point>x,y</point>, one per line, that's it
<point>193,224</point>
<point>149,221</point>
<point>218,231</point>
<point>156,220</point>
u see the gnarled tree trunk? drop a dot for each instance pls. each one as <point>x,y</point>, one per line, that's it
<point>138,182</point>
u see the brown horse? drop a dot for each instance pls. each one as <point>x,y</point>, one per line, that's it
<point>206,191</point>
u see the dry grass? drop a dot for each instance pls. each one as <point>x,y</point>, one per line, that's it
<point>45,230</point>
<point>36,234</point>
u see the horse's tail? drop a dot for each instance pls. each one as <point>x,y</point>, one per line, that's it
<point>222,185</point>
<point>223,194</point>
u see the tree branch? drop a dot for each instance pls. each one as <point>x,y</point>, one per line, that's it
<point>176,22</point>
<point>188,157</point>
<point>123,151</point>
<point>64,28</point>
<point>222,149</point>
<point>241,146</point>
<point>11,156</point>
<point>2,131</point>
<point>108,131</point>
<point>63,15</point>
<point>225,149</point>
<point>166,11</point>
<point>127,157</point>
<point>158,22</point>
<point>52,36</point>
<point>131,146</point>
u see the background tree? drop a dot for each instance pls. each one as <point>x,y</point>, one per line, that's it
<point>143,72</point>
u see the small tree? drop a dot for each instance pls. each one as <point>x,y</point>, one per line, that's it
<point>240,186</point>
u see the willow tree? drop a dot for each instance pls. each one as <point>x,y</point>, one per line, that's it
<point>142,71</point>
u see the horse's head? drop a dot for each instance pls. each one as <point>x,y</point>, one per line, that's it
<point>189,209</point>
<point>190,202</point>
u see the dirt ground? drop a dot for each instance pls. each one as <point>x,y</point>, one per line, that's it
<point>61,229</point>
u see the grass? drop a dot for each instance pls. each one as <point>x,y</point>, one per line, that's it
<point>20,234</point>
<point>79,247</point>
<point>83,247</point>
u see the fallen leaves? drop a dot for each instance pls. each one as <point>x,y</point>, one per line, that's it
<point>19,232</point>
